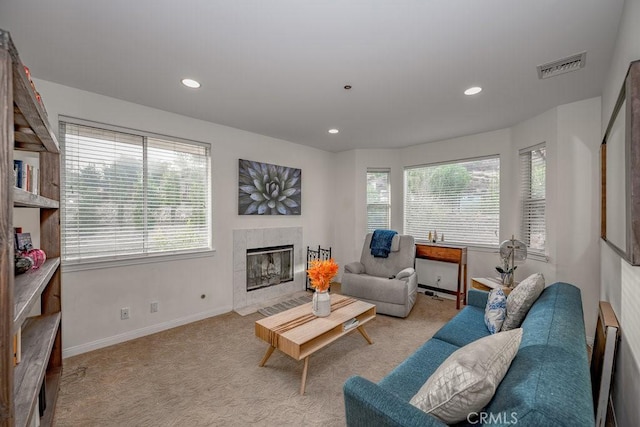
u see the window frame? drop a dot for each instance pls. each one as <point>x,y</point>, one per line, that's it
<point>476,246</point>
<point>142,257</point>
<point>387,205</point>
<point>538,254</point>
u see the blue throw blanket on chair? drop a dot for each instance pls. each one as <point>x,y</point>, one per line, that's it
<point>381,243</point>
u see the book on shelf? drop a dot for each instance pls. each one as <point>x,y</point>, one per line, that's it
<point>350,324</point>
<point>18,166</point>
<point>17,347</point>
<point>26,176</point>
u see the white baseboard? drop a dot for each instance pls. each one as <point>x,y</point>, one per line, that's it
<point>137,333</point>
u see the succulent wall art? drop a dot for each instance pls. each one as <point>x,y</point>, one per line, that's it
<point>266,189</point>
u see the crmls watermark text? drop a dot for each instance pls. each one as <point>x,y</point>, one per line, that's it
<point>488,418</point>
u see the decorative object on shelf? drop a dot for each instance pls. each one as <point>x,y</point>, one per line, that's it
<point>23,242</point>
<point>511,251</point>
<point>37,255</point>
<point>266,189</point>
<point>24,248</point>
<point>22,264</point>
<point>320,273</point>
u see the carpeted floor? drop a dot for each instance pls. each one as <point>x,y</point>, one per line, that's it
<point>206,374</point>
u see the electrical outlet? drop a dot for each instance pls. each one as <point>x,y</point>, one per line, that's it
<point>438,279</point>
<point>124,313</point>
<point>154,307</point>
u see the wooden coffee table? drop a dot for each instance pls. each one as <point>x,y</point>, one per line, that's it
<point>298,333</point>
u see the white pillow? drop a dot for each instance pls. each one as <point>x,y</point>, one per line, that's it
<point>496,310</point>
<point>468,379</point>
<point>521,299</point>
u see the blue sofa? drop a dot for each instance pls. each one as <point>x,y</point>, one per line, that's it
<point>548,383</point>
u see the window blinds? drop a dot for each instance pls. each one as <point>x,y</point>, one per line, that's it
<point>127,194</point>
<point>378,200</point>
<point>533,202</point>
<point>460,200</point>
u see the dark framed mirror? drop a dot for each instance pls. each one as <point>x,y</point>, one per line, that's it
<point>620,171</point>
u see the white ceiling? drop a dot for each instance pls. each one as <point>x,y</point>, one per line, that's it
<point>278,67</point>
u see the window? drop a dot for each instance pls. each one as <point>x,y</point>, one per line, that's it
<point>460,199</point>
<point>127,194</point>
<point>378,199</point>
<point>532,190</point>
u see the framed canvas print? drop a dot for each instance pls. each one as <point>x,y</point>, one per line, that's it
<point>266,189</point>
<point>620,173</point>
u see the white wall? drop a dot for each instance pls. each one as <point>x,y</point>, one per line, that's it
<point>620,282</point>
<point>577,212</point>
<point>572,136</point>
<point>92,298</point>
<point>344,206</point>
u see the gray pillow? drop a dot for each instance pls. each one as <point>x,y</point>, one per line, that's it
<point>468,379</point>
<point>521,299</point>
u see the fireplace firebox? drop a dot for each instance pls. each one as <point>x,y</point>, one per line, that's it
<point>269,266</point>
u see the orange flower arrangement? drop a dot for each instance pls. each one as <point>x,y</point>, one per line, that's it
<point>321,273</point>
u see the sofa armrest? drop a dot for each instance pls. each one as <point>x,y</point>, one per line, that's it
<point>367,404</point>
<point>477,298</point>
<point>355,267</point>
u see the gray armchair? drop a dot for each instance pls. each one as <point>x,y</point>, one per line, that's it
<point>389,283</point>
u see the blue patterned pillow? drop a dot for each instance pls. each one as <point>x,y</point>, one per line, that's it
<point>496,310</point>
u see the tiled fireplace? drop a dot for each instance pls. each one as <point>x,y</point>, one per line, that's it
<point>267,263</point>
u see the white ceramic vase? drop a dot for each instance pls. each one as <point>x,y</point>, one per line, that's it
<point>321,304</point>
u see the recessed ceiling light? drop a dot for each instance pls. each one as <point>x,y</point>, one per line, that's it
<point>473,90</point>
<point>333,131</point>
<point>191,83</point>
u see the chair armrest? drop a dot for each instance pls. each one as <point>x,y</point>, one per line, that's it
<point>367,404</point>
<point>354,267</point>
<point>406,273</point>
<point>477,298</point>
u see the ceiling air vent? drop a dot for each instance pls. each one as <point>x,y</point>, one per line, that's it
<point>561,66</point>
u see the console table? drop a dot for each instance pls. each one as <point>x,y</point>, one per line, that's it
<point>447,253</point>
<point>489,283</point>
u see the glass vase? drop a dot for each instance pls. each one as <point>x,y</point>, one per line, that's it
<point>507,279</point>
<point>321,304</point>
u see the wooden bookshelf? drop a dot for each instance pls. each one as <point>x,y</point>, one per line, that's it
<point>38,337</point>
<point>29,287</point>
<point>24,199</point>
<point>24,125</point>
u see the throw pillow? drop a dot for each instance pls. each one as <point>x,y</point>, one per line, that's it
<point>521,299</point>
<point>468,379</point>
<point>496,310</point>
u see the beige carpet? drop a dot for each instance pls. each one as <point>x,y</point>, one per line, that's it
<point>206,374</point>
